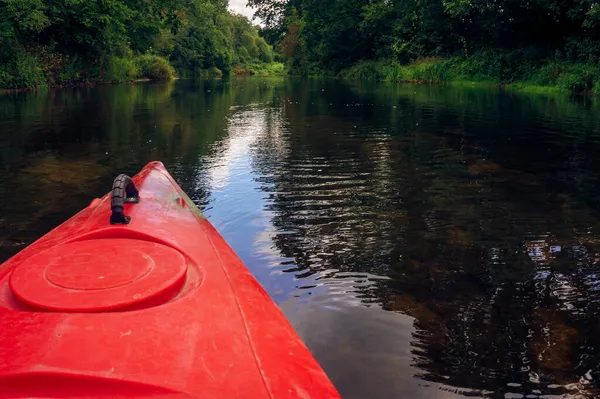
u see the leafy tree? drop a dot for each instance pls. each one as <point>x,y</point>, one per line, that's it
<point>339,32</point>
<point>65,40</point>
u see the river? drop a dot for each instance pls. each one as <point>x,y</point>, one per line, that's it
<point>425,242</point>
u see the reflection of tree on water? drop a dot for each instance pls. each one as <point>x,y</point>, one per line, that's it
<point>482,225</point>
<point>61,148</point>
<point>497,265</point>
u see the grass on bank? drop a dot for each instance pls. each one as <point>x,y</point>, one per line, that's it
<point>248,69</point>
<point>54,70</point>
<point>483,69</point>
<point>261,69</point>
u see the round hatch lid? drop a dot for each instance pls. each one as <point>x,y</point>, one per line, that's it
<point>98,275</point>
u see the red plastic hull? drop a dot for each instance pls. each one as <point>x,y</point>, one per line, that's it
<point>174,312</point>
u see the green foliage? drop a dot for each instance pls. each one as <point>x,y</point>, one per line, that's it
<point>549,74</point>
<point>120,69</point>
<point>215,72</point>
<point>370,70</point>
<point>579,78</point>
<point>64,41</point>
<point>596,88</point>
<point>155,68</point>
<point>164,43</point>
<point>22,18</point>
<point>265,52</point>
<point>482,68</point>
<point>22,72</point>
<point>210,73</point>
<point>501,41</point>
<point>292,45</point>
<point>567,76</point>
<point>429,71</point>
<point>261,69</point>
<point>71,71</point>
<point>28,72</point>
<point>249,44</point>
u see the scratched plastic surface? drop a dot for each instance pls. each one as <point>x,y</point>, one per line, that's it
<point>161,307</point>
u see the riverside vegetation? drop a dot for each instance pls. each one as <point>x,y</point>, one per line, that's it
<point>65,42</point>
<point>532,44</point>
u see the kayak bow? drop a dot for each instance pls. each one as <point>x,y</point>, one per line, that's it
<point>139,296</point>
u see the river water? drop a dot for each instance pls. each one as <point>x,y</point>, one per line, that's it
<point>425,242</point>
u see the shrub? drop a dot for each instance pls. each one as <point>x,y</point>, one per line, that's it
<point>579,78</point>
<point>485,67</point>
<point>481,66</point>
<point>396,73</point>
<point>548,75</point>
<point>243,55</point>
<point>6,77</point>
<point>266,52</point>
<point>248,41</point>
<point>365,70</point>
<point>28,72</point>
<point>596,88</point>
<point>215,72</point>
<point>70,71</point>
<point>430,70</point>
<point>120,69</point>
<point>22,72</point>
<point>210,73</point>
<point>277,69</point>
<point>155,68</point>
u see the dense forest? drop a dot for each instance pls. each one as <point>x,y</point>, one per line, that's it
<point>58,42</point>
<point>522,43</point>
<point>538,42</point>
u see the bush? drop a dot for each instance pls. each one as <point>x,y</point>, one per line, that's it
<point>260,69</point>
<point>484,67</point>
<point>479,67</point>
<point>70,71</point>
<point>120,69</point>
<point>396,73</point>
<point>248,41</point>
<point>6,78</point>
<point>365,70</point>
<point>579,78</point>
<point>155,68</point>
<point>29,72</point>
<point>430,70</point>
<point>596,89</point>
<point>277,69</point>
<point>215,72</point>
<point>210,73</point>
<point>22,72</point>
<point>548,75</point>
<point>266,51</point>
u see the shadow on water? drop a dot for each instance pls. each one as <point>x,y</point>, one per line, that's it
<point>424,241</point>
<point>60,149</point>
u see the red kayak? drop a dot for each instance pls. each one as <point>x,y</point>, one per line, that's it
<point>139,296</point>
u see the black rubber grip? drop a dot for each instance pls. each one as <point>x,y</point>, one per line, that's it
<point>123,191</point>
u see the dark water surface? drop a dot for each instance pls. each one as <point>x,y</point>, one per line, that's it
<point>426,242</point>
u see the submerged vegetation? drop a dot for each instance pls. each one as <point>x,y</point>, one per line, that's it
<point>535,43</point>
<point>61,42</point>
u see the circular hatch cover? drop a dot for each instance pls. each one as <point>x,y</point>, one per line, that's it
<point>98,275</point>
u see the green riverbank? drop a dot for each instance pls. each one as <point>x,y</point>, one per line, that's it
<point>578,78</point>
<point>549,45</point>
<point>62,43</point>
